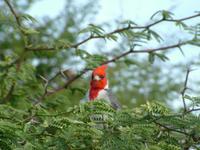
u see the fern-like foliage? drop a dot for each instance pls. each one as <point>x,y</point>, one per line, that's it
<point>151,126</point>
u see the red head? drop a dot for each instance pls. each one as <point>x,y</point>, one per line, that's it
<point>98,81</point>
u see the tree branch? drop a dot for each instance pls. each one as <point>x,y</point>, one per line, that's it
<point>18,60</point>
<point>172,129</point>
<point>16,16</point>
<point>147,51</point>
<point>184,89</point>
<point>68,82</point>
<point>110,33</point>
<point>193,110</point>
<point>13,12</point>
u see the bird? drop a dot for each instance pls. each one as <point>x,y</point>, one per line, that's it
<point>99,87</point>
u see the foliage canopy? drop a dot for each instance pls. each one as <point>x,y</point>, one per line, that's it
<point>40,103</point>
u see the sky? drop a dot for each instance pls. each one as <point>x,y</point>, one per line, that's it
<point>139,11</point>
<point>128,9</point>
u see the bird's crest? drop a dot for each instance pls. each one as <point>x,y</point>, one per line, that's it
<point>100,70</point>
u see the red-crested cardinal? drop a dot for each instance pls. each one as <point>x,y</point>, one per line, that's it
<point>99,88</point>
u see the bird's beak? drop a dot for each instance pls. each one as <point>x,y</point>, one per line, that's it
<point>97,78</point>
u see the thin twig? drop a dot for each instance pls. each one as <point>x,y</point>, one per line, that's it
<point>13,12</point>
<point>45,89</point>
<point>193,110</point>
<point>67,83</point>
<point>184,89</point>
<point>16,16</point>
<point>146,51</point>
<point>172,129</point>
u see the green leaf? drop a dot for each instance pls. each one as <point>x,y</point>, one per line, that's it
<point>195,100</point>
<point>29,31</point>
<point>93,29</point>
<point>111,36</point>
<point>181,24</point>
<point>130,62</point>
<point>91,60</point>
<point>75,89</point>
<point>153,34</point>
<point>129,22</point>
<point>161,56</point>
<point>63,43</point>
<point>195,42</point>
<point>158,12</point>
<point>156,108</point>
<point>167,14</point>
<point>28,17</point>
<point>83,53</point>
<point>179,47</point>
<point>151,57</point>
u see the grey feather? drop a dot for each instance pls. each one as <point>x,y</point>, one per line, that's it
<point>113,100</point>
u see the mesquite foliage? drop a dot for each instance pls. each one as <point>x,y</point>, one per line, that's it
<point>39,102</point>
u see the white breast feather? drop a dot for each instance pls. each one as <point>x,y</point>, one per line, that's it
<point>103,94</point>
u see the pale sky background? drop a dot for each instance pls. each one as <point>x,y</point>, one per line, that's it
<point>139,11</point>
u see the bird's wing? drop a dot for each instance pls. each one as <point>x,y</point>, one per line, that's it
<point>114,102</point>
